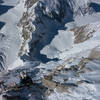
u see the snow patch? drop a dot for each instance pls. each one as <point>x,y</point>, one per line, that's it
<point>63,41</point>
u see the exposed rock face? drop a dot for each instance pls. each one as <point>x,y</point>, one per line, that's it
<point>2,61</point>
<point>27,28</point>
<point>81,34</point>
<point>30,3</point>
<point>2,52</point>
<point>84,33</point>
<point>95,54</point>
<point>57,9</point>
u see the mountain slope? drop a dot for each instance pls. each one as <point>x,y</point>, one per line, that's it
<point>50,15</point>
<point>57,42</point>
<point>10,39</point>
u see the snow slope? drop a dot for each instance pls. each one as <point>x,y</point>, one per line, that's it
<point>52,16</point>
<point>10,35</point>
<point>37,32</point>
<point>91,33</point>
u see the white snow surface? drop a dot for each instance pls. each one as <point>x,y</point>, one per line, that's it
<point>62,46</point>
<point>63,41</point>
<point>11,43</point>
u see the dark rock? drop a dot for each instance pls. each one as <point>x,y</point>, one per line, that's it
<point>6,97</point>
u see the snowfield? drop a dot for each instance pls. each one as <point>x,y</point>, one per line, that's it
<point>11,41</point>
<point>57,42</point>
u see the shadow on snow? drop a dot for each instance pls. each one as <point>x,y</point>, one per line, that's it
<point>4,9</point>
<point>96,7</point>
<point>1,24</point>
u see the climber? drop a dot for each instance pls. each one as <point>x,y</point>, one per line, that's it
<point>25,79</point>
